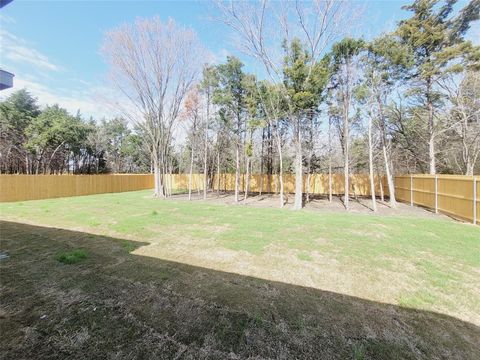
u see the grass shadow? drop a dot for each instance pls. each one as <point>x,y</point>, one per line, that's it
<point>117,304</point>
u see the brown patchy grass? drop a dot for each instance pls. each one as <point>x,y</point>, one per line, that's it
<point>117,304</point>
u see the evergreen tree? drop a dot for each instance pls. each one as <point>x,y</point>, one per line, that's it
<point>344,79</point>
<point>304,81</point>
<point>230,96</point>
<point>435,36</point>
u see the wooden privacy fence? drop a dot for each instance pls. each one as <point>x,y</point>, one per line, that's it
<point>33,187</point>
<point>359,184</point>
<point>454,195</point>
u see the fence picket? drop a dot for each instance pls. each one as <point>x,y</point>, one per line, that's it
<point>32,187</point>
<point>449,194</point>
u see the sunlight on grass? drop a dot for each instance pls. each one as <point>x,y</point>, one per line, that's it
<point>414,262</point>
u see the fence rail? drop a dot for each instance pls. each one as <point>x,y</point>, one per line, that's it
<point>359,183</point>
<point>33,187</point>
<point>455,195</point>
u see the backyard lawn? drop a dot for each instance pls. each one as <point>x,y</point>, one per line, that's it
<point>122,276</point>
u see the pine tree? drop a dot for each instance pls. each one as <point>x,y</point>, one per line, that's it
<point>436,39</point>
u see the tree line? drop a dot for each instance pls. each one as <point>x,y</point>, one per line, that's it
<point>53,141</point>
<point>406,101</point>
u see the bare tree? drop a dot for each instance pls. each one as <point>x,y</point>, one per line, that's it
<point>329,158</point>
<point>271,103</point>
<point>370,163</point>
<point>462,128</point>
<point>152,65</point>
<point>191,113</point>
<point>384,63</point>
<point>345,79</point>
<point>207,87</point>
<point>248,162</point>
<point>205,148</point>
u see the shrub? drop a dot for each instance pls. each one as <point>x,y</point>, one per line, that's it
<point>128,246</point>
<point>72,257</point>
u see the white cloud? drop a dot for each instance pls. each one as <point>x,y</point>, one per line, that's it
<point>7,19</point>
<point>218,57</point>
<point>17,49</point>
<point>73,100</point>
<point>32,56</point>
<point>42,80</point>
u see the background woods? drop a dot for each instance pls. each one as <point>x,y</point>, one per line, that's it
<point>52,141</point>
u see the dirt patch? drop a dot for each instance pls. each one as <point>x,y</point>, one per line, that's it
<point>357,205</point>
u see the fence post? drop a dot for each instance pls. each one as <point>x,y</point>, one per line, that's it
<point>411,190</point>
<point>474,200</point>
<point>436,194</point>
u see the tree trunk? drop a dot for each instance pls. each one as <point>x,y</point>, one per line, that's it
<point>225,180</point>
<point>309,167</point>
<point>308,185</point>
<point>247,180</point>
<point>469,168</point>
<point>205,155</point>
<point>156,177</point>
<point>310,155</point>
<point>380,182</point>
<point>190,176</point>
<point>53,154</point>
<point>270,157</point>
<point>346,172</point>
<point>280,172</point>
<point>431,153</point>
<point>218,173</point>
<point>237,170</point>
<point>162,178</point>
<point>170,176</point>
<point>159,172</point>
<point>298,168</point>
<point>261,162</point>
<point>330,160</point>
<point>39,161</point>
<point>431,131</point>
<point>370,166</point>
<point>346,125</point>
<point>391,185</point>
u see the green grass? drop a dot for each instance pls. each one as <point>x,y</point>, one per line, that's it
<point>358,352</point>
<point>72,257</point>
<point>128,246</point>
<point>347,285</point>
<point>362,237</point>
<point>304,256</point>
<point>438,257</point>
<point>368,239</point>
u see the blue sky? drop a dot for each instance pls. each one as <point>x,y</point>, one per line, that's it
<point>52,47</point>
